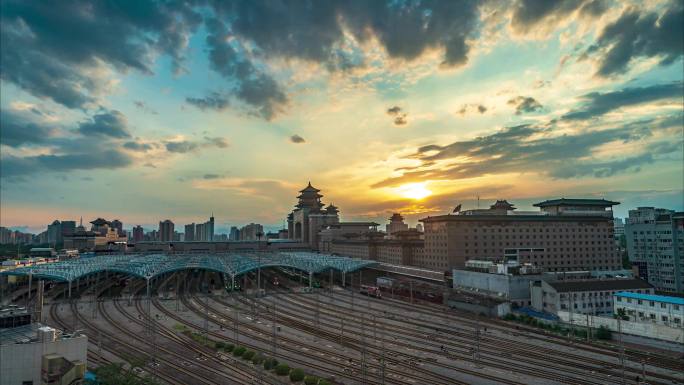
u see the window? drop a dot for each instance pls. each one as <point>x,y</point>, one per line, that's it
<point>664,318</point>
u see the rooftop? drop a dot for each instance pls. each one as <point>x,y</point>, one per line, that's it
<point>652,297</point>
<point>599,285</point>
<point>576,202</point>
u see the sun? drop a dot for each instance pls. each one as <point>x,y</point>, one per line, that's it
<point>415,191</point>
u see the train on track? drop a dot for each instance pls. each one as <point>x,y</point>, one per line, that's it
<point>371,291</point>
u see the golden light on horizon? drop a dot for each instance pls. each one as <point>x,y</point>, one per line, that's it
<point>415,191</point>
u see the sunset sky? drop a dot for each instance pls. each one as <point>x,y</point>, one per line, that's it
<point>144,111</point>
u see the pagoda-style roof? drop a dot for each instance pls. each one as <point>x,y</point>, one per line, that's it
<point>576,202</point>
<point>502,205</point>
<point>332,209</point>
<point>396,217</point>
<point>100,222</point>
<point>309,188</point>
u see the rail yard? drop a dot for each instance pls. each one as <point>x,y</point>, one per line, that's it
<point>196,326</point>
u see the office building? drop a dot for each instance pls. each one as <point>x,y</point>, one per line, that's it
<point>189,232</point>
<point>68,228</point>
<point>655,246</point>
<point>118,226</point>
<point>54,233</point>
<point>234,234</point>
<point>565,235</point>
<point>658,309</point>
<point>618,228</point>
<point>37,354</point>
<point>138,234</point>
<point>594,297</point>
<point>166,231</point>
<point>252,232</point>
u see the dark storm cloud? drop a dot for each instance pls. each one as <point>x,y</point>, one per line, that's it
<point>213,101</point>
<point>637,34</point>
<point>254,87</point>
<point>529,14</point>
<point>16,131</point>
<point>297,139</point>
<point>311,30</point>
<point>112,123</point>
<point>596,104</point>
<point>528,148</point>
<point>94,158</point>
<point>525,104</point>
<point>47,51</point>
<point>398,114</point>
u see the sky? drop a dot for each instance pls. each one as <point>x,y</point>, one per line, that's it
<point>144,111</point>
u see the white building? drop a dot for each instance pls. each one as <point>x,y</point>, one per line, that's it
<point>593,296</point>
<point>655,245</point>
<point>36,354</point>
<point>657,309</point>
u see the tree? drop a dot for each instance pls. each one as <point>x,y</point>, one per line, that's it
<point>282,369</point>
<point>310,380</point>
<point>296,375</point>
<point>603,333</point>
<point>240,350</point>
<point>248,355</point>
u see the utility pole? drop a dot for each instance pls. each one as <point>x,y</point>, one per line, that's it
<point>275,336</point>
<point>622,351</point>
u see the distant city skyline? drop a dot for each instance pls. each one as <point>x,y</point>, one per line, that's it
<point>517,100</point>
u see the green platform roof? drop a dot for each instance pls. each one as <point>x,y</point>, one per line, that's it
<point>151,265</point>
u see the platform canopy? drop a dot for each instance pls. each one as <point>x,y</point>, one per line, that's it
<point>151,265</point>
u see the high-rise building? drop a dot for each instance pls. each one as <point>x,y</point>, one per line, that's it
<point>251,232</point>
<point>565,235</point>
<point>618,228</point>
<point>54,233</point>
<point>655,245</point>
<point>166,231</point>
<point>189,232</point>
<point>68,228</point>
<point>210,228</point>
<point>201,232</point>
<point>138,234</point>
<point>234,234</point>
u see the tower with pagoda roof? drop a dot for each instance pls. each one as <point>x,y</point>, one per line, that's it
<point>309,216</point>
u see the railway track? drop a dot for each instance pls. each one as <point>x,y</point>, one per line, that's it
<point>447,337</point>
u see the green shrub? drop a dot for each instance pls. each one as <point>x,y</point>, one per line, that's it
<point>296,375</point>
<point>510,317</point>
<point>324,382</point>
<point>248,355</point>
<point>310,380</point>
<point>258,359</point>
<point>240,350</point>
<point>603,333</point>
<point>282,369</point>
<point>270,363</point>
<point>220,344</point>
<point>229,347</point>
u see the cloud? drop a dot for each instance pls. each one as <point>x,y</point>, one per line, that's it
<point>181,147</point>
<point>213,101</point>
<point>596,104</point>
<point>16,131</point>
<point>144,107</point>
<point>211,176</point>
<point>468,108</point>
<point>530,15</point>
<point>185,146</point>
<point>638,34</point>
<point>398,114</point>
<point>137,146</point>
<point>525,104</point>
<point>52,52</point>
<point>88,159</point>
<point>297,139</point>
<point>541,149</point>
<point>112,123</point>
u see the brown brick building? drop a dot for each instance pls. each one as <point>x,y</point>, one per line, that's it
<point>565,235</point>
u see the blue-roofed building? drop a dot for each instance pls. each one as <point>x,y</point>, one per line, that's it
<point>660,309</point>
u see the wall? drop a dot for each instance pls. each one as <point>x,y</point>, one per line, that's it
<point>513,287</point>
<point>649,330</point>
